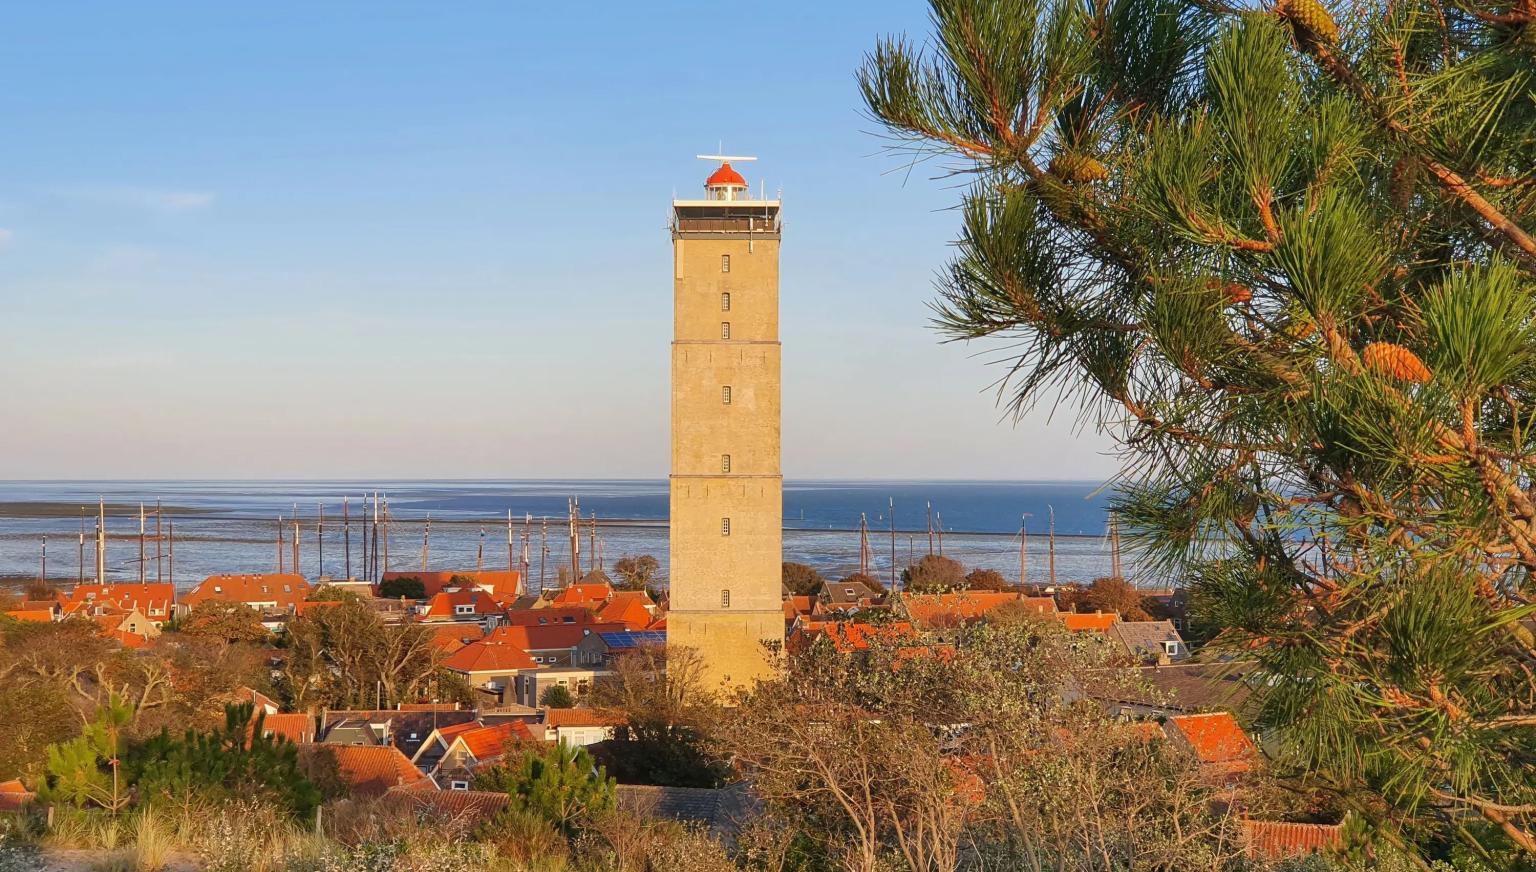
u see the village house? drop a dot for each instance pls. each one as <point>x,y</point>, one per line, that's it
<point>847,595</point>
<point>549,616</point>
<point>529,684</point>
<point>489,665</point>
<point>579,726</point>
<point>367,772</point>
<point>599,649</point>
<point>297,727</point>
<point>1148,642</point>
<point>265,593</point>
<point>585,595</point>
<point>1088,622</point>
<point>405,729</point>
<point>553,645</point>
<point>1216,740</point>
<point>1180,688</point>
<point>465,606</point>
<point>470,750</point>
<point>155,601</point>
<point>497,582</point>
<point>633,609</point>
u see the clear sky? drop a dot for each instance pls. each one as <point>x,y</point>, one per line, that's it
<point>424,239</point>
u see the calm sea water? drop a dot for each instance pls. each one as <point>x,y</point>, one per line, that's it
<point>230,526</point>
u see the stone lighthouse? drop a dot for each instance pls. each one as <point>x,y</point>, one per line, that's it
<point>727,492</point>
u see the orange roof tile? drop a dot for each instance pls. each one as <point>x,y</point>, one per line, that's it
<point>1080,621</point>
<point>566,615</point>
<point>445,605</point>
<point>550,638</point>
<point>296,728</point>
<point>965,605</point>
<point>580,717</point>
<point>155,600</point>
<point>1274,840</point>
<point>286,590</point>
<point>845,635</point>
<point>486,743</point>
<point>132,641</point>
<point>42,616</point>
<point>371,770</point>
<point>497,581</point>
<point>1215,737</point>
<point>450,637</point>
<point>632,609</point>
<point>14,795</point>
<point>489,656</point>
<point>579,594</point>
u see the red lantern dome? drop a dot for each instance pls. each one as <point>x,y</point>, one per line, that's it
<point>725,177</point>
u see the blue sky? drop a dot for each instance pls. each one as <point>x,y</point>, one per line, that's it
<point>428,239</point>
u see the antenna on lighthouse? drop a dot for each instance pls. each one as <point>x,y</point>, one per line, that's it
<point>726,158</point>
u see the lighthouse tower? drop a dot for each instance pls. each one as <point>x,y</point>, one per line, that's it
<point>727,491</point>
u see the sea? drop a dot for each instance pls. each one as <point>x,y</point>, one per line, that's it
<point>223,527</point>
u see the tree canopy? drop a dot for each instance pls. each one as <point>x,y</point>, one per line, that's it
<point>1285,255</point>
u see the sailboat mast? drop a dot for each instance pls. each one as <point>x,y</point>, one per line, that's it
<point>1052,510</point>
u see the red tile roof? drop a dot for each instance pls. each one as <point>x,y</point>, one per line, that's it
<point>966,605</point>
<point>550,638</point>
<point>371,770</point>
<point>1274,840</point>
<point>580,717</point>
<point>1215,737</point>
<point>579,594</point>
<point>14,795</point>
<point>1078,622</point>
<point>296,728</point>
<point>845,635</point>
<point>567,615</point>
<point>42,616</point>
<point>466,807</point>
<point>497,581</point>
<point>450,637</point>
<point>132,641</point>
<point>444,606</point>
<point>286,590</point>
<point>489,656</point>
<point>156,601</point>
<point>487,743</point>
<point>631,608</point>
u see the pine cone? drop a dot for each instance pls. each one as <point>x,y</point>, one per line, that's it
<point>1310,20</point>
<point>1078,168</point>
<point>1394,362</point>
<point>1404,178</point>
<point>1235,293</point>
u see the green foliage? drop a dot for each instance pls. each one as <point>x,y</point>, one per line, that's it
<point>561,784</point>
<point>345,656</point>
<point>85,771</point>
<point>330,593</point>
<point>1294,271</point>
<point>933,573</point>
<point>557,696</point>
<point>802,580</point>
<point>229,622</point>
<point>410,588</point>
<point>637,573</point>
<point>986,579</point>
<point>235,762</point>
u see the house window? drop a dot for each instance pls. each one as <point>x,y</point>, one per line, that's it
<point>725,263</point>
<point>464,610</point>
<point>725,599</point>
<point>725,394</point>
<point>263,588</point>
<point>725,302</point>
<point>1171,648</point>
<point>287,588</point>
<point>725,463</point>
<point>725,526</point>
<point>458,785</point>
<point>725,330</point>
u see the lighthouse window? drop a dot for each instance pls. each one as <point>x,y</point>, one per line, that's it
<point>725,599</point>
<point>725,394</point>
<point>725,463</point>
<point>725,330</point>
<point>725,302</point>
<point>725,526</point>
<point>725,263</point>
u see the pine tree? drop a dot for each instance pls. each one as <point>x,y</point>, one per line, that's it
<point>1285,254</point>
